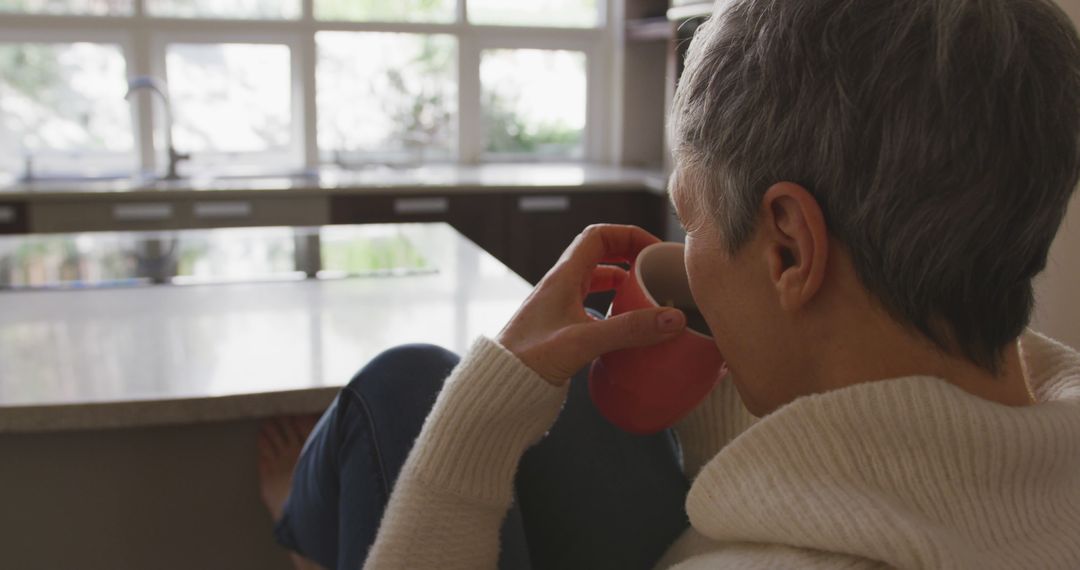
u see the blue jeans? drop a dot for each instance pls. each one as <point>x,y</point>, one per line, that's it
<point>587,496</point>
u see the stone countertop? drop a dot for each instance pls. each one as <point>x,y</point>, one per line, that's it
<point>170,354</point>
<point>424,179</point>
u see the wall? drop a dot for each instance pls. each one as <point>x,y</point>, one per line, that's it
<point>1057,311</point>
<point>1057,290</point>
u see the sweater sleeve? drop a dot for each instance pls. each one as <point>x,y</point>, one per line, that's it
<point>449,501</point>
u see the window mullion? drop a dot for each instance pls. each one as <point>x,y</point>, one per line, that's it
<point>598,105</point>
<point>470,122</point>
<point>309,117</point>
<point>141,63</point>
<point>469,128</point>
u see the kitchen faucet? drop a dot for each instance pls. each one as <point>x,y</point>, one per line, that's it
<point>146,82</point>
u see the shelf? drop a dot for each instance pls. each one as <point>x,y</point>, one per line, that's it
<point>649,29</point>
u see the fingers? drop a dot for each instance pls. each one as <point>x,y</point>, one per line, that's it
<point>636,328</point>
<point>605,243</point>
<point>606,278</point>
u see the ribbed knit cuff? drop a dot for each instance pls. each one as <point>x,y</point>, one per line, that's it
<point>491,409</point>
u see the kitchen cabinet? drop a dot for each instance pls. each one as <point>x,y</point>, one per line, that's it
<point>477,216</point>
<point>13,218</point>
<point>540,226</point>
<point>167,213</point>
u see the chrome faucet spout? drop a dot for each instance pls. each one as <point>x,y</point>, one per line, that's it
<point>154,85</point>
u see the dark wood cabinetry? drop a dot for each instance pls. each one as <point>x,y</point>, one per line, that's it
<point>541,226</point>
<point>13,218</point>
<point>477,216</point>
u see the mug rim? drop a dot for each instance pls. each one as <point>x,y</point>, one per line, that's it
<point>641,282</point>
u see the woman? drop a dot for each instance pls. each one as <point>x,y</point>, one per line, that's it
<point>868,190</point>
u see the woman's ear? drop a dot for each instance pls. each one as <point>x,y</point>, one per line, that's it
<point>796,243</point>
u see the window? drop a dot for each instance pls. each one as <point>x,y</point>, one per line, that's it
<point>62,109</point>
<point>229,100</point>
<point>386,96</point>
<point>533,102</point>
<point>285,86</point>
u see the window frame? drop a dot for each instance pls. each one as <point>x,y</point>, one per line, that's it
<point>143,39</point>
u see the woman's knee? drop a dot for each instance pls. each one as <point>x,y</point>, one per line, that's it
<point>410,367</point>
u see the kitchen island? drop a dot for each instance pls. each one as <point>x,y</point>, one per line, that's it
<point>128,406</point>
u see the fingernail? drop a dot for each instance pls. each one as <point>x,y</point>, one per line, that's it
<point>671,320</point>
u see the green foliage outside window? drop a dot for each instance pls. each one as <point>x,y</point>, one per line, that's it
<point>30,69</point>
<point>507,132</point>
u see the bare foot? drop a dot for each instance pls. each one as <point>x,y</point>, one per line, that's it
<point>280,441</point>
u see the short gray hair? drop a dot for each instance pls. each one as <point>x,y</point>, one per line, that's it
<point>940,137</point>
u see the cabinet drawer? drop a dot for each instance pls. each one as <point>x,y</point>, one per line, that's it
<point>543,204</point>
<point>541,226</point>
<point>256,211</point>
<point>386,209</point>
<point>13,218</point>
<point>478,216</point>
<point>101,215</point>
<point>179,213</point>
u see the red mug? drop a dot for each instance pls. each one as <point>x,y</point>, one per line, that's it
<point>647,389</point>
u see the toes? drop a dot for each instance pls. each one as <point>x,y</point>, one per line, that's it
<point>295,431</point>
<point>264,444</point>
<point>303,426</point>
<point>286,432</point>
<point>270,438</point>
<point>284,436</point>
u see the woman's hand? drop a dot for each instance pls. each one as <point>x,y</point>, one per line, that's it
<point>551,332</point>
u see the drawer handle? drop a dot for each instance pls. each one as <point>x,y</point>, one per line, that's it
<point>544,203</point>
<point>421,205</point>
<point>222,209</point>
<point>142,212</point>
<point>7,215</point>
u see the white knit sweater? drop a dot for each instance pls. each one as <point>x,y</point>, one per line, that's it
<point>910,472</point>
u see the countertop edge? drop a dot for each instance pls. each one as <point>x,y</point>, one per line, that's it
<point>594,178</point>
<point>154,413</point>
<point>653,186</point>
